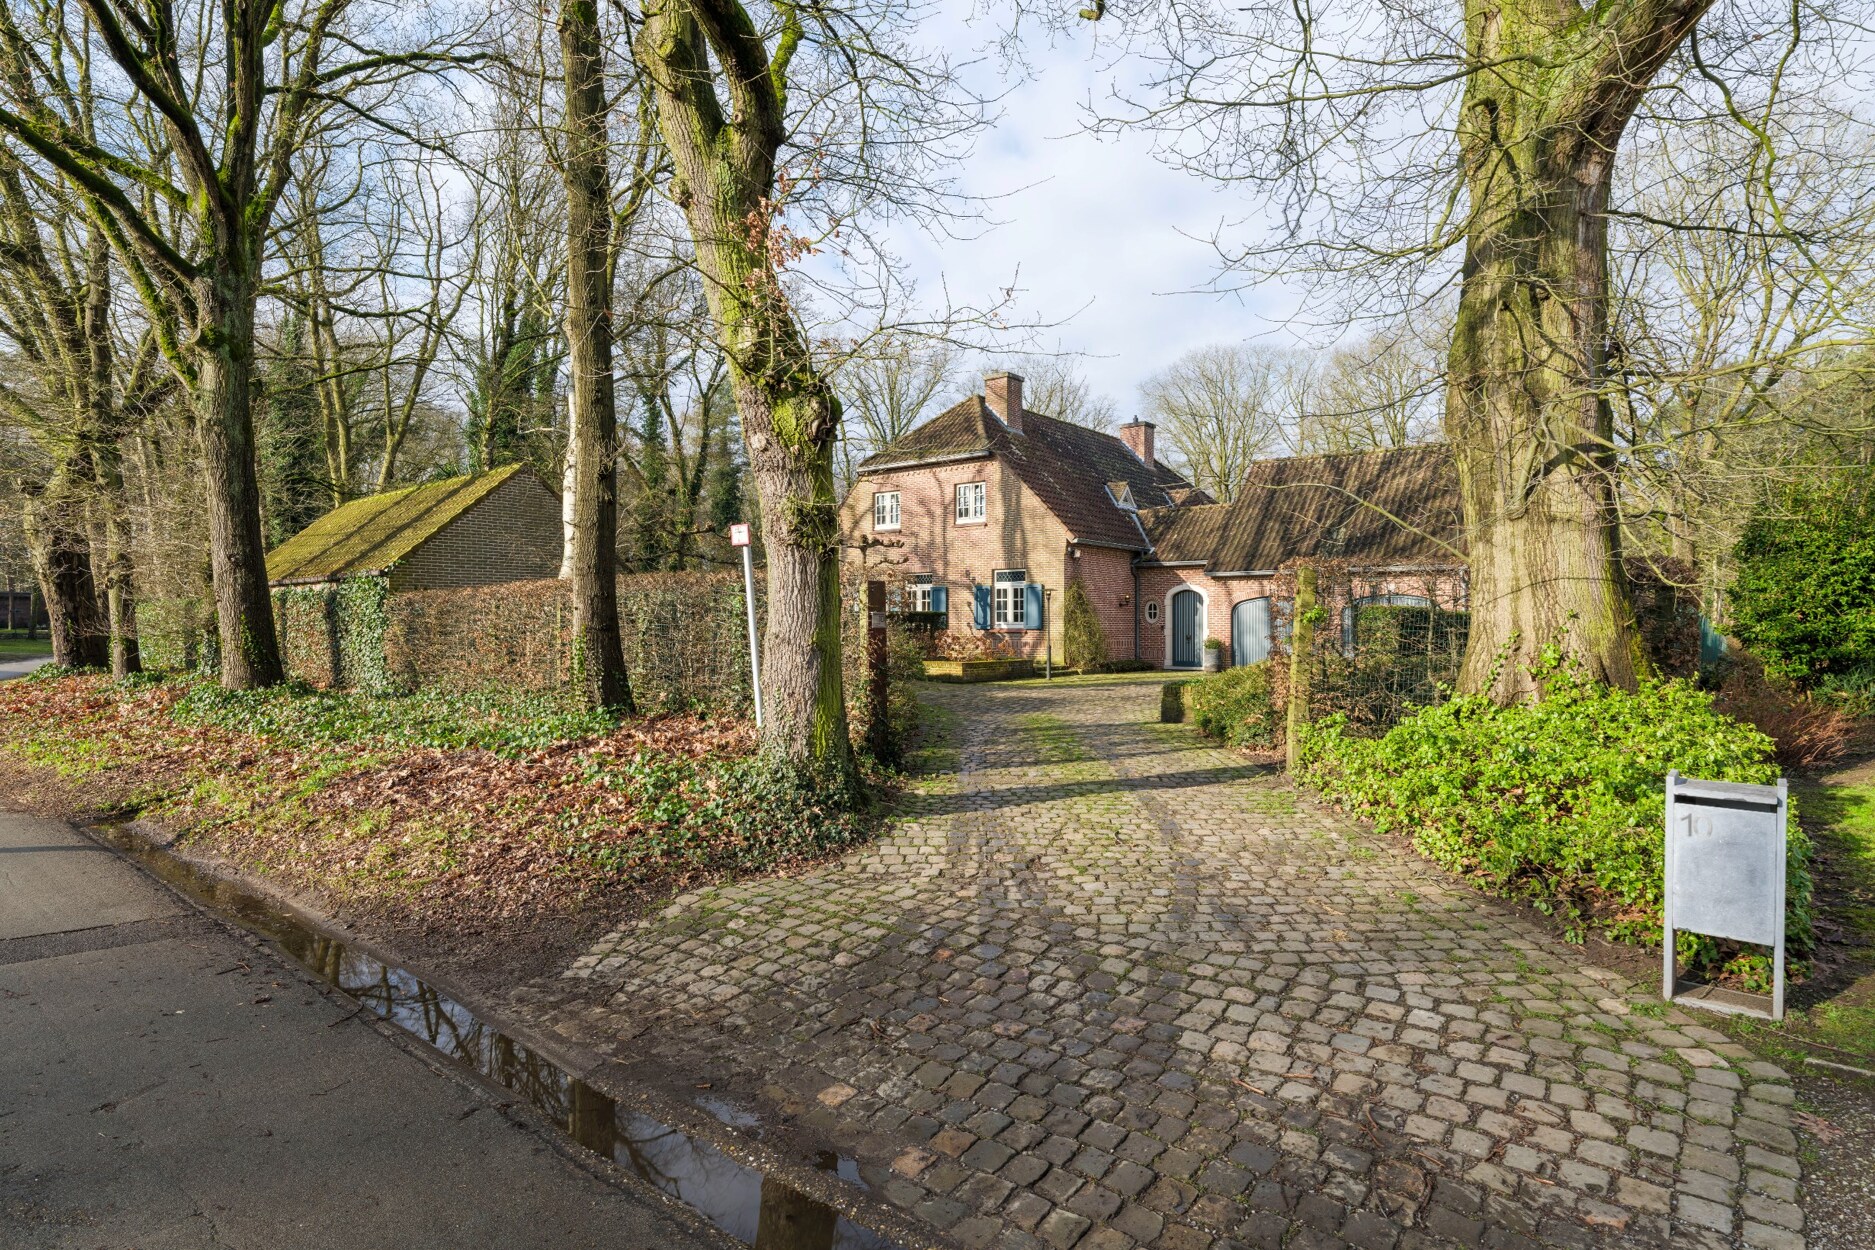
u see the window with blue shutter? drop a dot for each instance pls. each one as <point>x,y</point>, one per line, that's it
<point>1035,606</point>
<point>1010,603</point>
<point>940,599</point>
<point>982,606</point>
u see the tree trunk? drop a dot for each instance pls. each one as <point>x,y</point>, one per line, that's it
<point>61,556</point>
<point>725,174</point>
<point>1526,407</point>
<point>1301,667</point>
<point>250,649</point>
<point>593,420</point>
<point>120,601</point>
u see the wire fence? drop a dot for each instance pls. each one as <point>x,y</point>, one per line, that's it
<point>1389,642</point>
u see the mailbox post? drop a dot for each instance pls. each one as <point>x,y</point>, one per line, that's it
<point>739,537</point>
<point>1725,874</point>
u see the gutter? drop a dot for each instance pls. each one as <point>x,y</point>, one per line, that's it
<point>328,577</point>
<point>869,469</point>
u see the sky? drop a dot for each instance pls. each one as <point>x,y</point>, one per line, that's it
<point>1100,238</point>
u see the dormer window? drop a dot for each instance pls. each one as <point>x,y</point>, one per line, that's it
<point>1122,495</point>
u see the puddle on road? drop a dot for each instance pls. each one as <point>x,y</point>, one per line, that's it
<point>748,1205</point>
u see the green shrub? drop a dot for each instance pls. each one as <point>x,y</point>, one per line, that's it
<point>1235,706</point>
<point>1083,642</point>
<point>300,717</point>
<point>1560,802</point>
<point>746,814</point>
<point>1804,599</point>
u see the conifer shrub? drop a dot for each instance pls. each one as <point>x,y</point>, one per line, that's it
<point>1083,642</point>
<point>1559,802</point>
<point>1235,706</point>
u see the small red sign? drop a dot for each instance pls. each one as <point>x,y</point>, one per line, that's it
<point>739,534</point>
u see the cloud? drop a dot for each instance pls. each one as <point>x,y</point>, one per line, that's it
<point>1094,231</point>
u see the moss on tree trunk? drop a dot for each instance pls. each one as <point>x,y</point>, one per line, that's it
<point>724,162</point>
<point>1527,408</point>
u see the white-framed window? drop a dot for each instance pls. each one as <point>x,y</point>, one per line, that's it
<point>918,593</point>
<point>1152,611</point>
<point>1010,604</point>
<point>972,502</point>
<point>885,509</point>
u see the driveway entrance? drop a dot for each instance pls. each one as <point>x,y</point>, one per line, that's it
<point>1107,986</point>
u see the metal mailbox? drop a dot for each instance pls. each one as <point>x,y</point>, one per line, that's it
<point>1725,875</point>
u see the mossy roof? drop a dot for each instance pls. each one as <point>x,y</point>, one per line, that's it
<point>372,534</point>
<point>1373,508</point>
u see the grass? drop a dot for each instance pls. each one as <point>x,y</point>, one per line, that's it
<point>1090,679</point>
<point>1841,1026</point>
<point>20,647</point>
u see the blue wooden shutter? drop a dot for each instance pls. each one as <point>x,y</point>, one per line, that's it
<point>940,599</point>
<point>1034,614</point>
<point>982,596</point>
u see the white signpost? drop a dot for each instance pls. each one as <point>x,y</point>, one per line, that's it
<point>1725,878</point>
<point>739,537</point>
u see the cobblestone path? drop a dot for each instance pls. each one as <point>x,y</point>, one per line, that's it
<point>1107,986</point>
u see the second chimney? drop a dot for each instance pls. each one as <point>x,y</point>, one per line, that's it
<point>1003,393</point>
<point>1137,435</point>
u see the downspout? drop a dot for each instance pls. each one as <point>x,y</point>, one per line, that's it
<point>1136,559</point>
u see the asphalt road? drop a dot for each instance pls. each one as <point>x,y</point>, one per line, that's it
<point>164,1084</point>
<point>10,669</point>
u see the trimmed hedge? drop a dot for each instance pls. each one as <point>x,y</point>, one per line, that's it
<point>1235,706</point>
<point>1559,802</point>
<point>1804,599</point>
<point>684,635</point>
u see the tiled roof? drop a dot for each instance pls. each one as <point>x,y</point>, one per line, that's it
<point>370,535</point>
<point>1068,466</point>
<point>1373,508</point>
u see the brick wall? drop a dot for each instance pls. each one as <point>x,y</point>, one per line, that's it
<point>1107,575</point>
<point>1018,531</point>
<point>1445,587</point>
<point>511,535</point>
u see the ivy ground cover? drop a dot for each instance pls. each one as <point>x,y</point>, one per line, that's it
<point>482,808</point>
<point>1560,802</point>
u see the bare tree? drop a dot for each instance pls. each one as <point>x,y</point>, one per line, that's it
<point>1222,407</point>
<point>1491,128</point>
<point>1055,386</point>
<point>1736,343</point>
<point>1383,390</point>
<point>592,448</point>
<point>733,98</point>
<point>238,91</point>
<point>891,384</point>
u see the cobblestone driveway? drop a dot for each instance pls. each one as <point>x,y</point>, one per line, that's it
<point>1109,987</point>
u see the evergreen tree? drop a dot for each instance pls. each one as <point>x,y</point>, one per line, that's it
<point>517,374</point>
<point>652,511</point>
<point>723,492</point>
<point>290,440</point>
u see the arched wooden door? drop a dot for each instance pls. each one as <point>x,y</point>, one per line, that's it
<point>1187,635</point>
<point>1250,631</point>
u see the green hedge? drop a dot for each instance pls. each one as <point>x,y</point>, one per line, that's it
<point>1235,706</point>
<point>1560,802</point>
<point>1804,599</point>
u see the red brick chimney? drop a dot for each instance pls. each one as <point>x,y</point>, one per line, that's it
<point>1137,434</point>
<point>1003,393</point>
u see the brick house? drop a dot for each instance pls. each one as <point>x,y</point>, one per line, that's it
<point>476,530</point>
<point>1390,521</point>
<point>987,512</point>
